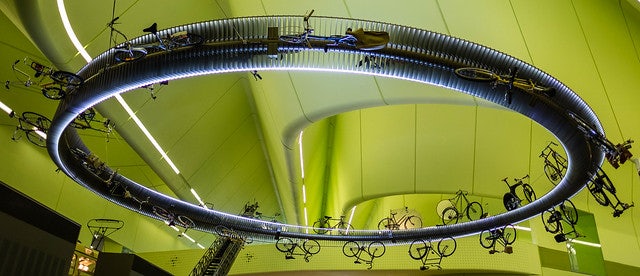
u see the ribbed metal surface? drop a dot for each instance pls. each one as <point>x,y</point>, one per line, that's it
<point>240,45</point>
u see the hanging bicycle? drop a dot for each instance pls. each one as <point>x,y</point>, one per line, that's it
<point>420,250</point>
<point>555,165</point>
<point>504,236</point>
<point>459,206</point>
<point>597,186</point>
<point>353,249</point>
<point>54,84</point>
<point>307,249</point>
<point>554,218</point>
<point>408,220</point>
<point>511,200</point>
<point>173,219</point>
<point>615,154</point>
<point>325,224</point>
<point>34,126</point>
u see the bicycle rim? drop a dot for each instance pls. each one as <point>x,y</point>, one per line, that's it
<point>549,225</point>
<point>529,193</point>
<point>450,216</point>
<point>54,93</point>
<point>598,194</point>
<point>509,234</point>
<point>123,55</point>
<point>569,211</point>
<point>311,246</point>
<point>447,246</point>
<point>284,245</point>
<point>413,222</point>
<point>350,249</point>
<point>474,211</point>
<point>418,249</point>
<point>476,74</point>
<point>67,78</point>
<point>377,249</point>
<point>36,139</point>
<point>486,239</point>
<point>552,173</point>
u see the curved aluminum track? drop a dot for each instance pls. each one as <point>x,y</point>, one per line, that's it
<point>241,45</point>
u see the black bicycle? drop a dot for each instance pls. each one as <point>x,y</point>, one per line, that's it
<point>459,206</point>
<point>406,221</point>
<point>353,249</point>
<point>325,224</point>
<point>597,186</point>
<point>358,39</point>
<point>615,154</point>
<point>504,236</point>
<point>127,51</point>
<point>555,165</point>
<point>54,84</point>
<point>307,249</point>
<point>510,80</point>
<point>87,119</point>
<point>554,218</point>
<point>511,200</point>
<point>420,250</point>
<point>173,219</point>
<point>34,126</point>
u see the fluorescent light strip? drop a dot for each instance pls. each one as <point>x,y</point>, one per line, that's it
<point>6,108</point>
<point>40,133</point>
<point>198,198</point>
<point>522,228</point>
<point>301,158</point>
<point>304,194</point>
<point>72,35</point>
<point>187,236</point>
<point>172,226</point>
<point>146,133</point>
<point>200,245</point>
<point>585,243</point>
<point>353,210</point>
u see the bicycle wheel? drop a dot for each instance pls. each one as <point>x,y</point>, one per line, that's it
<point>447,246</point>
<point>54,93</point>
<point>450,215</point>
<point>606,182</point>
<point>67,78</point>
<point>36,120</point>
<point>598,194</point>
<point>509,234</point>
<point>418,249</point>
<point>376,249</point>
<point>550,221</point>
<point>295,39</point>
<point>162,213</point>
<point>285,245</point>
<point>529,194</point>
<point>124,55</point>
<point>553,174</point>
<point>487,240</point>
<point>36,139</point>
<point>413,222</point>
<point>476,74</point>
<point>311,246</point>
<point>186,222</point>
<point>188,39</point>
<point>351,249</point>
<point>344,227</point>
<point>320,227</point>
<point>510,201</point>
<point>569,211</point>
<point>387,224</point>
<point>474,211</point>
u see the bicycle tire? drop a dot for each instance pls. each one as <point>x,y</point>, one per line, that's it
<point>36,120</point>
<point>36,139</point>
<point>474,211</point>
<point>387,224</point>
<point>311,246</point>
<point>66,78</point>
<point>285,245</point>
<point>569,211</point>
<point>186,40</point>
<point>509,234</point>
<point>476,74</point>
<point>447,246</point>
<point>486,239</point>
<point>162,213</point>
<point>186,222</point>
<point>551,226</point>
<point>606,182</point>
<point>294,39</point>
<point>320,227</point>
<point>344,227</point>
<point>529,193</point>
<point>124,55</point>
<point>510,201</point>
<point>350,249</point>
<point>376,249</point>
<point>553,174</point>
<point>450,215</point>
<point>413,222</point>
<point>53,93</point>
<point>598,194</point>
<point>418,249</point>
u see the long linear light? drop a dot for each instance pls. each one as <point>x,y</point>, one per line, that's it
<point>6,109</point>
<point>198,198</point>
<point>72,35</point>
<point>585,243</point>
<point>146,133</point>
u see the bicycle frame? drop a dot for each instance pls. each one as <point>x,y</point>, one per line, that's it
<point>420,250</point>
<point>374,250</point>
<point>406,221</point>
<point>555,165</point>
<point>511,200</point>
<point>323,225</point>
<point>489,239</point>
<point>306,250</point>
<point>460,206</point>
<point>597,187</point>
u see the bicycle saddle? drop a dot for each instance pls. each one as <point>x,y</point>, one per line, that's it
<point>369,40</point>
<point>152,29</point>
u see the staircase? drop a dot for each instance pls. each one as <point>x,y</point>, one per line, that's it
<point>218,258</point>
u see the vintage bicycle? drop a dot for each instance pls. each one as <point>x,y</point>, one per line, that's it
<point>54,84</point>
<point>324,225</point>
<point>34,126</point>
<point>128,52</point>
<point>173,219</point>
<point>511,200</point>
<point>615,154</point>
<point>510,80</point>
<point>307,249</point>
<point>353,249</point>
<point>555,165</point>
<point>504,236</point>
<point>420,250</point>
<point>597,186</point>
<point>554,218</point>
<point>459,206</point>
<point>358,39</point>
<point>406,221</point>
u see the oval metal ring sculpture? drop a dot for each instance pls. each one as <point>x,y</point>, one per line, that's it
<point>243,44</point>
